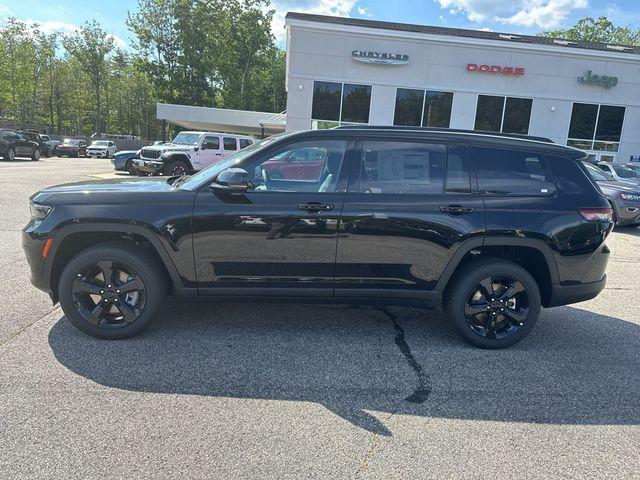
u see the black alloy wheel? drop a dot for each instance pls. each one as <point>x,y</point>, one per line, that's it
<point>35,156</point>
<point>112,290</point>
<point>130,168</point>
<point>108,294</point>
<point>497,307</point>
<point>492,303</point>
<point>11,155</point>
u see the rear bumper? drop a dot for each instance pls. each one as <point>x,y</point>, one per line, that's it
<point>567,294</point>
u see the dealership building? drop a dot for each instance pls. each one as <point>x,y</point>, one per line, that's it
<point>354,71</point>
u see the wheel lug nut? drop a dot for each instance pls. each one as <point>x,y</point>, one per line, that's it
<point>117,291</point>
<point>102,292</point>
<point>79,276</point>
<point>108,286</point>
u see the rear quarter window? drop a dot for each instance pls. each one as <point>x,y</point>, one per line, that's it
<point>513,172</point>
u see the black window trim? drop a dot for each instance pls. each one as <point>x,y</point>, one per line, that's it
<point>595,127</point>
<point>486,194</point>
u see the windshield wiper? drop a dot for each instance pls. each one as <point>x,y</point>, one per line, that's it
<point>177,180</point>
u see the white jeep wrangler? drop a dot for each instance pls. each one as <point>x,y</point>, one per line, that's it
<point>188,152</point>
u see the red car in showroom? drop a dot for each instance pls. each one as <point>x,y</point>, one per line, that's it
<point>72,148</point>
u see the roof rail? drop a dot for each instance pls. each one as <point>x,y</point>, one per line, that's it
<point>444,130</point>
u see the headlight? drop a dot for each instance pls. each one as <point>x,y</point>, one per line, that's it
<point>40,212</point>
<point>630,196</point>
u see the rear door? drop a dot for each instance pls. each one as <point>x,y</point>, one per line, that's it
<point>229,146</point>
<point>409,207</point>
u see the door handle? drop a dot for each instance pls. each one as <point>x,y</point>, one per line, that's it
<point>316,206</point>
<point>456,210</point>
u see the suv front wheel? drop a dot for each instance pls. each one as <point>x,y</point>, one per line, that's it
<point>493,303</point>
<point>112,291</point>
<point>35,156</point>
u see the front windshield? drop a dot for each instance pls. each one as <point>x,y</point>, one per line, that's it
<point>597,174</point>
<point>208,174</point>
<point>100,143</point>
<point>625,172</point>
<point>187,138</point>
<point>68,141</point>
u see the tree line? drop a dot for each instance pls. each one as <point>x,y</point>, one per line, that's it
<point>218,53</point>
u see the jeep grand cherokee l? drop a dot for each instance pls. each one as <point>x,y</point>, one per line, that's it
<point>491,226</point>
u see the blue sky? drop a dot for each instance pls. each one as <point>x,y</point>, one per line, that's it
<point>517,16</point>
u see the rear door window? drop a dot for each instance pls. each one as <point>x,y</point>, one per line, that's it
<point>230,143</point>
<point>400,167</point>
<point>512,172</point>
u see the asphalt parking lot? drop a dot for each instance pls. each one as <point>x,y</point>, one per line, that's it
<point>298,391</point>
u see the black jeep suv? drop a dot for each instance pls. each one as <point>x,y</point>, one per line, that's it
<point>491,226</point>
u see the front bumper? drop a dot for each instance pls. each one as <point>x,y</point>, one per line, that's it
<point>33,245</point>
<point>628,213</point>
<point>149,166</point>
<point>97,153</point>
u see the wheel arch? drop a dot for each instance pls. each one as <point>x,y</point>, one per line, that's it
<point>171,156</point>
<point>71,240</point>
<point>533,255</point>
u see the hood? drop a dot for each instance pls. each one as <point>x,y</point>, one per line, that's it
<point>115,185</point>
<point>98,147</point>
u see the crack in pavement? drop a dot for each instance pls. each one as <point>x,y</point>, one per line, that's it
<point>419,395</point>
<point>423,388</point>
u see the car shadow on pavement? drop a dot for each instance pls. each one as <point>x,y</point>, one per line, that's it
<point>366,364</point>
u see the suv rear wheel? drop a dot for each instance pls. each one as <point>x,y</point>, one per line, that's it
<point>35,156</point>
<point>111,291</point>
<point>493,303</point>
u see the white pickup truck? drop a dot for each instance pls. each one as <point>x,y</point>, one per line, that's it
<point>188,152</point>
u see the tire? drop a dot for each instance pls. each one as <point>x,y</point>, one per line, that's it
<point>10,155</point>
<point>176,167</point>
<point>130,168</point>
<point>83,274</point>
<point>35,156</point>
<point>465,294</point>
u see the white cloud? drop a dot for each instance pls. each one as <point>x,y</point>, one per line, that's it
<point>338,8</point>
<point>364,11</point>
<point>528,13</point>
<point>51,26</point>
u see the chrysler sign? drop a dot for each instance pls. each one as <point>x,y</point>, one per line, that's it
<point>380,58</point>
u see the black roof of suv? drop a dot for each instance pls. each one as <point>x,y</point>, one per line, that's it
<point>493,227</point>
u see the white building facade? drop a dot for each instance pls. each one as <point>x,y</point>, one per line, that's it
<point>350,71</point>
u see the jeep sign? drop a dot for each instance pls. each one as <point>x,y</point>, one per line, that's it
<point>599,80</point>
<point>380,58</point>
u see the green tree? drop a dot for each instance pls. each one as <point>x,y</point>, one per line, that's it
<point>598,30</point>
<point>91,47</point>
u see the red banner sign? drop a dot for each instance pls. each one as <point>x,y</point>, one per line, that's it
<point>473,67</point>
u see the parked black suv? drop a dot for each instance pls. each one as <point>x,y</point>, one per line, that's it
<point>491,226</point>
<point>15,144</point>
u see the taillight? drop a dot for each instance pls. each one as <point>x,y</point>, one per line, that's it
<point>598,215</point>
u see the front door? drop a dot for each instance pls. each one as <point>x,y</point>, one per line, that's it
<point>210,152</point>
<point>409,207</point>
<point>280,236</point>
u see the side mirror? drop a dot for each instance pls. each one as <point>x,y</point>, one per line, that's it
<point>233,179</point>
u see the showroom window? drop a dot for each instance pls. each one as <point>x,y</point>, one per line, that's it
<point>420,108</point>
<point>503,114</point>
<point>596,127</point>
<point>339,103</point>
